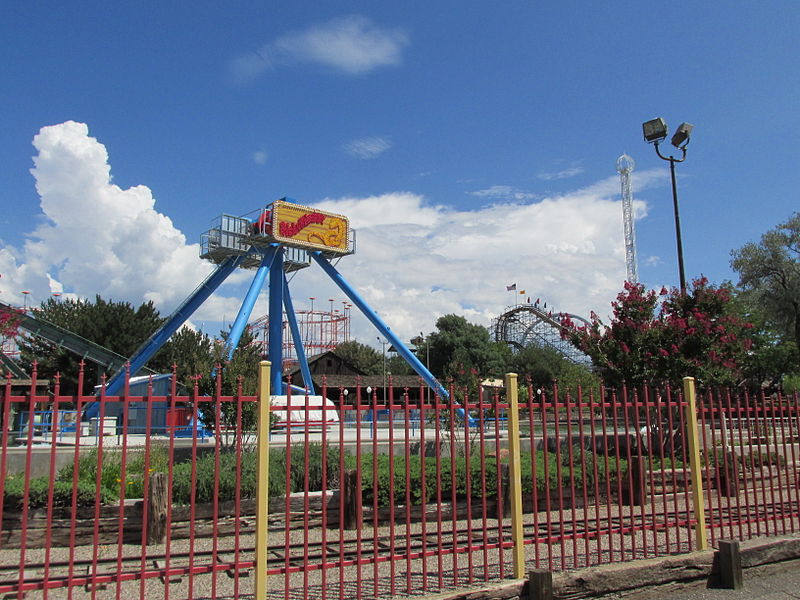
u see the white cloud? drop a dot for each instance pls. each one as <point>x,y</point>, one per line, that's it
<point>352,44</point>
<point>368,147</point>
<point>504,192</point>
<point>95,237</point>
<point>414,262</point>
<point>260,157</point>
<point>563,174</point>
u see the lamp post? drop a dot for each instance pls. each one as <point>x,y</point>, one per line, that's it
<point>383,350</point>
<point>418,341</point>
<point>655,132</point>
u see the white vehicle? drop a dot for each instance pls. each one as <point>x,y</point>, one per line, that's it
<point>301,411</point>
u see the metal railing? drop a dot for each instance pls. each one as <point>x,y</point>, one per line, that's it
<point>350,506</point>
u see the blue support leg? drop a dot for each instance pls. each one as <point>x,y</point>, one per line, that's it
<point>276,279</point>
<point>237,329</point>
<point>178,318</point>
<point>395,341</point>
<point>298,340</point>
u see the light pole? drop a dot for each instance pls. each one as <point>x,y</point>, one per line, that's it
<point>383,349</point>
<point>655,132</point>
<point>418,341</point>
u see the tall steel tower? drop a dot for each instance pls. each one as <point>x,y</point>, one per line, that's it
<point>625,166</point>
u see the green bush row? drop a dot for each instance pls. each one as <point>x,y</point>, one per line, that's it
<point>481,479</point>
<point>578,470</point>
<point>111,479</point>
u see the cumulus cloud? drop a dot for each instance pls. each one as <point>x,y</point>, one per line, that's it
<point>368,147</point>
<point>353,45</point>
<point>415,259</point>
<point>95,237</point>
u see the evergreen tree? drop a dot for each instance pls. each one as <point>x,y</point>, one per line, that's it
<point>116,326</point>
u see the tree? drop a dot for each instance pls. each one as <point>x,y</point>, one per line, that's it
<point>664,337</point>
<point>114,325</point>
<point>773,355</point>
<point>546,366</point>
<point>192,353</point>
<point>769,272</point>
<point>239,375</point>
<point>465,352</point>
<point>364,358</point>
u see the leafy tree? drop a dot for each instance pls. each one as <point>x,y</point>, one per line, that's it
<point>542,365</point>
<point>769,272</point>
<point>364,358</point>
<point>667,336</point>
<point>237,376</point>
<point>465,352</point>
<point>397,365</point>
<point>114,325</point>
<point>241,369</point>
<point>773,355</point>
<point>546,366</point>
<point>192,354</point>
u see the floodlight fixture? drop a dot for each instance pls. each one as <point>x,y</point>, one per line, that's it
<point>682,135</point>
<point>654,130</point>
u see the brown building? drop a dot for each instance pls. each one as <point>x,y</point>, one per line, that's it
<point>338,378</point>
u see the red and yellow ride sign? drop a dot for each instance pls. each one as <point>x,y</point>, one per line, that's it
<point>306,227</point>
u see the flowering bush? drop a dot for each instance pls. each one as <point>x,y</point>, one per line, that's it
<point>9,323</point>
<point>665,336</point>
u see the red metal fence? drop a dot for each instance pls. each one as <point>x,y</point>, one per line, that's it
<point>393,498</point>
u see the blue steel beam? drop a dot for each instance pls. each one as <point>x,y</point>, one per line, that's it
<point>298,340</point>
<point>249,301</point>
<point>373,317</point>
<point>276,280</point>
<point>178,318</point>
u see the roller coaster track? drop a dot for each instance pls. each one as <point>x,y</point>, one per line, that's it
<point>529,325</point>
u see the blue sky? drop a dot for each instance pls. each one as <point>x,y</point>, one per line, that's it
<point>472,144</point>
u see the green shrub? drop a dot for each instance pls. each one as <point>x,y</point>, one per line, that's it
<point>582,471</point>
<point>62,493</point>
<point>206,472</point>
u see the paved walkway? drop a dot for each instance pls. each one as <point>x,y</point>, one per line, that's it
<point>777,581</point>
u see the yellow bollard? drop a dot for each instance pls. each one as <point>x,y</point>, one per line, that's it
<point>262,481</point>
<point>515,475</point>
<point>695,466</point>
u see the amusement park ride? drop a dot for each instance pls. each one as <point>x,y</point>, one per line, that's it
<point>281,238</point>
<point>285,237</point>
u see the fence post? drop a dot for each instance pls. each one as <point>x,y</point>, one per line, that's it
<point>695,466</point>
<point>350,497</point>
<point>262,480</point>
<point>515,475</point>
<point>157,508</point>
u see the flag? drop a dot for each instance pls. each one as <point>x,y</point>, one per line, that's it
<point>511,288</point>
<point>522,293</point>
<point>529,299</point>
